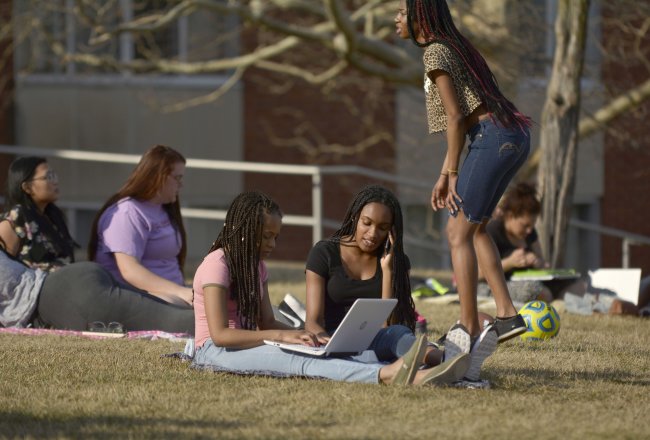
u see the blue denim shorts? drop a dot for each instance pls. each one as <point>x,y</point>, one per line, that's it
<point>495,155</point>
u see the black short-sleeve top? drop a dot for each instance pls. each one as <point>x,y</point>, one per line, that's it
<point>497,230</point>
<point>340,290</point>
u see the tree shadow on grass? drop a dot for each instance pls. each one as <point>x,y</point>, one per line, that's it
<point>13,424</point>
<point>562,379</point>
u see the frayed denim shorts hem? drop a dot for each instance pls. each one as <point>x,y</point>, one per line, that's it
<point>468,217</point>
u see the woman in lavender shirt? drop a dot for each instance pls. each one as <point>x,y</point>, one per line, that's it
<point>138,235</point>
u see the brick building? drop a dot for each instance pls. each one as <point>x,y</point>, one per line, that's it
<point>299,123</point>
<point>626,198</point>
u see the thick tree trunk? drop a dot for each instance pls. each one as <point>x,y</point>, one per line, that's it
<point>559,127</point>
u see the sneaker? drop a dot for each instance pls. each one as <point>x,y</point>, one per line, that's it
<point>422,291</point>
<point>482,348</point>
<point>436,286</point>
<point>508,328</point>
<point>457,341</point>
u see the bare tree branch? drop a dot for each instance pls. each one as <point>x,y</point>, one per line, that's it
<point>592,124</point>
<point>303,74</point>
<point>345,42</point>
<point>618,106</point>
<point>210,97</point>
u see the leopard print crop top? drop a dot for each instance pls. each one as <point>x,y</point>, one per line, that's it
<point>437,56</point>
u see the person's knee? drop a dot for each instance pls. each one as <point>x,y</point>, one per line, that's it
<point>458,234</point>
<point>481,235</point>
<point>392,342</point>
<point>398,331</point>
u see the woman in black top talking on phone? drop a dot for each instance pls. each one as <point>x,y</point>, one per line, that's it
<point>364,259</point>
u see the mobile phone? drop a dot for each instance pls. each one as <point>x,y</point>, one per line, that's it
<point>387,245</point>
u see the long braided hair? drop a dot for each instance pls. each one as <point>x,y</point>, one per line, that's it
<point>240,239</point>
<point>404,312</point>
<point>436,25</point>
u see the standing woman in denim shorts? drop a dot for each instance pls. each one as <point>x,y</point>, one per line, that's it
<point>463,98</point>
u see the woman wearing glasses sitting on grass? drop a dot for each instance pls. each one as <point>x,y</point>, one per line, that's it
<point>33,227</point>
<point>138,235</point>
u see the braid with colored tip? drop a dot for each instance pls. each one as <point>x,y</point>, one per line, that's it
<point>404,312</point>
<point>436,25</point>
<point>240,240</point>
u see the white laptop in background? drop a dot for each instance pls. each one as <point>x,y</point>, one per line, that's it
<point>625,283</point>
<point>355,333</point>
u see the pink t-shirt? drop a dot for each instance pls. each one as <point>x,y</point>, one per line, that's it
<point>214,270</point>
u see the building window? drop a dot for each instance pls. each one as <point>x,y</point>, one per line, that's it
<point>60,27</point>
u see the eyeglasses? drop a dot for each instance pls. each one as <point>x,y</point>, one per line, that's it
<point>100,327</point>
<point>50,176</point>
<point>178,178</point>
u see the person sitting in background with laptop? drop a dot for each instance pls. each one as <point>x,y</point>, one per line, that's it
<point>234,318</point>
<point>514,234</point>
<point>364,259</point>
<point>33,227</point>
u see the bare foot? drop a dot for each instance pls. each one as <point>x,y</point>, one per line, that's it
<point>433,357</point>
<point>387,373</point>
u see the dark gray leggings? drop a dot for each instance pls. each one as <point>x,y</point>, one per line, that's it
<point>81,293</point>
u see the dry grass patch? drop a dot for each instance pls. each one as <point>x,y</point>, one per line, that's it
<point>592,381</point>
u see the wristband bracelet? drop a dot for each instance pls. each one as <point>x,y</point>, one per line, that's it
<point>444,174</point>
<point>450,171</point>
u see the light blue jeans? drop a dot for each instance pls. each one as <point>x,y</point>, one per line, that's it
<point>268,360</point>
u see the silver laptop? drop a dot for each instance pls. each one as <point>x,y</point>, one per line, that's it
<point>355,333</point>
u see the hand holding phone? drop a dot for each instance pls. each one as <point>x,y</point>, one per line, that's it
<point>388,245</point>
<point>387,257</point>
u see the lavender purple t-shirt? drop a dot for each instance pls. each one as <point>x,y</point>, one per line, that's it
<point>142,230</point>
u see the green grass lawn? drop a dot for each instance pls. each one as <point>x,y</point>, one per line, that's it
<point>592,381</point>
